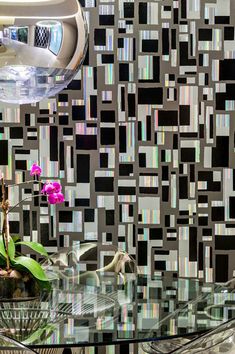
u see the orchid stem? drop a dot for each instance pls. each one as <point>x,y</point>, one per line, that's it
<point>23,200</point>
<point>26,182</point>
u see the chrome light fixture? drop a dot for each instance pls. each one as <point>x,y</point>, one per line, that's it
<point>42,46</point>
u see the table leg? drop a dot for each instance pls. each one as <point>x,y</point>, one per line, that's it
<point>59,351</point>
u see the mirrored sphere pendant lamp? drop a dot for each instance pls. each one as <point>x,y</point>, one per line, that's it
<point>42,46</point>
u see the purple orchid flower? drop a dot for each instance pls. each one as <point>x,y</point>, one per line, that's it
<point>48,188</point>
<point>56,198</point>
<point>35,170</point>
<point>51,188</point>
<point>57,186</point>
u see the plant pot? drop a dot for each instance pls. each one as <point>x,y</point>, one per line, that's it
<point>17,290</point>
<point>20,303</point>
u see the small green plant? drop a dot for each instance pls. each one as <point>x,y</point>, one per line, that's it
<point>12,263</point>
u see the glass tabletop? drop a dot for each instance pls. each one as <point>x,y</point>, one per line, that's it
<point>104,300</point>
<point>133,310</point>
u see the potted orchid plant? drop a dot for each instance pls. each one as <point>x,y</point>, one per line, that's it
<point>22,276</point>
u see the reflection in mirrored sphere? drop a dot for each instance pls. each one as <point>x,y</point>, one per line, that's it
<point>42,46</point>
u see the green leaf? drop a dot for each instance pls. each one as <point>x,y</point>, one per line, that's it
<point>11,248</point>
<point>2,248</point>
<point>15,238</point>
<point>46,332</point>
<point>32,266</point>
<point>37,247</point>
<point>2,261</point>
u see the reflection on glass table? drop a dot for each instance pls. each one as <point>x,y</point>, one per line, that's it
<point>9,346</point>
<point>98,298</point>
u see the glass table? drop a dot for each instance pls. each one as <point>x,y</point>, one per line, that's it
<point>90,306</point>
<point>135,310</point>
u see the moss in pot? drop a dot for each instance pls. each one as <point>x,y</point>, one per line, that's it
<point>22,278</point>
<point>16,286</point>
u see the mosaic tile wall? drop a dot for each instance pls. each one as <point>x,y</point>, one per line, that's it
<point>143,141</point>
